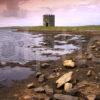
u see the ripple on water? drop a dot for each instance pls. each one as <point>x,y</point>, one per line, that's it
<point>22,47</point>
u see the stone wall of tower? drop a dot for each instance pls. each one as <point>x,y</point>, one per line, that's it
<point>49,20</point>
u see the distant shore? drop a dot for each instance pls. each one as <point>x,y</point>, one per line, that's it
<point>95,30</point>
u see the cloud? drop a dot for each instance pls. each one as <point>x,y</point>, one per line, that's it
<point>12,8</point>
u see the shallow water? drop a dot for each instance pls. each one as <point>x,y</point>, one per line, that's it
<point>22,47</point>
<point>8,74</point>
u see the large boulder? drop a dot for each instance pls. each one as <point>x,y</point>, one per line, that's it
<point>64,79</point>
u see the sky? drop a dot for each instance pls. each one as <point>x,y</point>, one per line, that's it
<point>67,12</point>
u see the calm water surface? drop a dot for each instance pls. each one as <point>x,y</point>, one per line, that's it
<point>22,47</point>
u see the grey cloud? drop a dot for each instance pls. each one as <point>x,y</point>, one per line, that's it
<point>13,9</point>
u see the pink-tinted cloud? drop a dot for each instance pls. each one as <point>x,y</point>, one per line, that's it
<point>10,8</point>
<point>29,12</point>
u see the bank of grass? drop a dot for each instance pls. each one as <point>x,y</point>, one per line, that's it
<point>76,28</point>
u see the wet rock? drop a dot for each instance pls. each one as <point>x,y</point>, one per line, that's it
<point>63,79</point>
<point>48,90</point>
<point>39,90</point>
<point>64,97</point>
<point>68,87</point>
<point>69,64</point>
<point>45,65</point>
<point>3,63</point>
<point>89,73</point>
<point>38,74</point>
<point>30,86</point>
<point>41,78</point>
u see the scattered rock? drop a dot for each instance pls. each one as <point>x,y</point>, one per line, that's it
<point>67,87</point>
<point>77,70</point>
<point>69,63</point>
<point>27,97</point>
<point>51,76</point>
<point>91,97</point>
<point>63,79</point>
<point>38,74</point>
<point>89,57</point>
<point>64,97</point>
<point>41,78</point>
<point>40,97</point>
<point>47,98</point>
<point>58,91</point>
<point>57,74</point>
<point>45,65</point>
<point>74,92</point>
<point>88,88</point>
<point>81,63</point>
<point>30,86</point>
<point>39,90</point>
<point>89,73</point>
<point>48,90</point>
<point>55,70</point>
<point>93,46</point>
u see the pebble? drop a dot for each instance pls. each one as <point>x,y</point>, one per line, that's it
<point>89,73</point>
<point>39,90</point>
<point>45,65</point>
<point>41,78</point>
<point>38,74</point>
<point>31,85</point>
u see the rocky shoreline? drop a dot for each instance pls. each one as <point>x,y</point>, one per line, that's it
<point>75,76</point>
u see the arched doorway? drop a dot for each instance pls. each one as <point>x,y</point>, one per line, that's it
<point>47,24</point>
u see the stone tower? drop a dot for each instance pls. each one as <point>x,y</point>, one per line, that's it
<point>49,20</point>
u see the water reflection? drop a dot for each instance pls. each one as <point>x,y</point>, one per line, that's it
<point>23,46</point>
<point>9,74</point>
